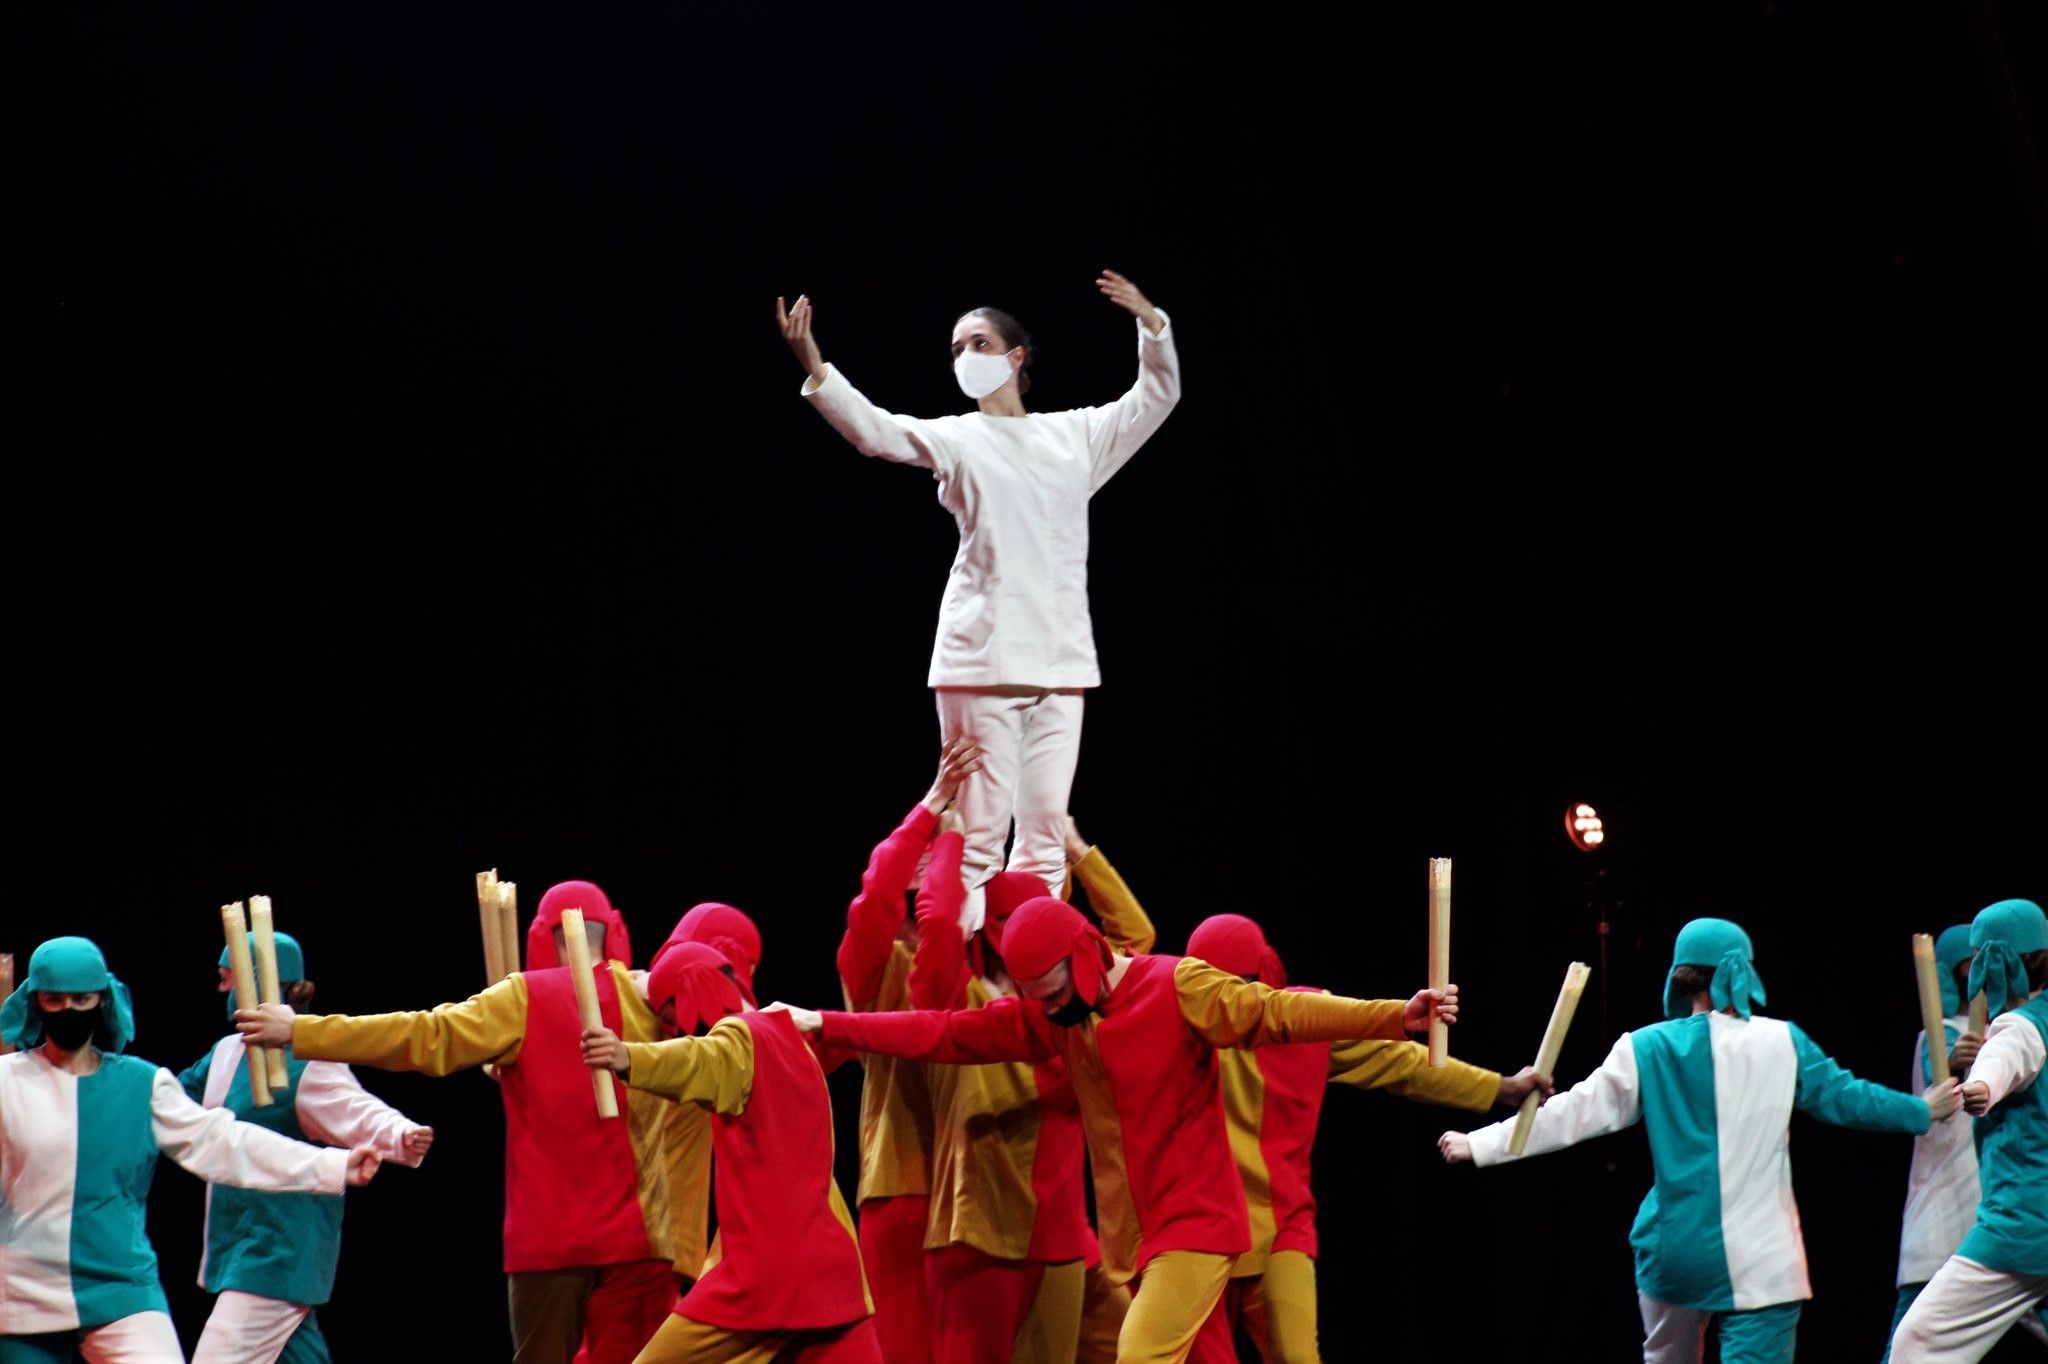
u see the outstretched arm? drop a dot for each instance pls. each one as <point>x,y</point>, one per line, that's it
<point>1004,1030</point>
<point>1832,1094</point>
<point>876,914</point>
<point>716,1070</point>
<point>212,1144</point>
<point>1606,1101</point>
<point>870,430</point>
<point>488,1026</point>
<point>2012,1058</point>
<point>334,1108</point>
<point>1403,1068</point>
<point>1115,431</point>
<point>1228,1011</point>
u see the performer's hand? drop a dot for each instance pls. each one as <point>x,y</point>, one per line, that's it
<point>796,330</point>
<point>1964,1053</point>
<point>1431,1003</point>
<point>1127,296</point>
<point>1943,1099</point>
<point>1517,1087</point>
<point>1455,1148</point>
<point>806,1020</point>
<point>958,760</point>
<point>951,821</point>
<point>1077,846</point>
<point>362,1165</point>
<point>267,1025</point>
<point>418,1140</point>
<point>1976,1098</point>
<point>602,1050</point>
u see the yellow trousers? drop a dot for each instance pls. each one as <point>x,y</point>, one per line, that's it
<point>1051,1327</point>
<point>1103,1308</point>
<point>683,1341</point>
<point>1175,1295</point>
<point>1278,1309</point>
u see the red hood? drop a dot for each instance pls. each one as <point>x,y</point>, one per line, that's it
<point>597,909</point>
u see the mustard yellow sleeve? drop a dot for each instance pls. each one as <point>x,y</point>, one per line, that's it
<point>490,1026</point>
<point>716,1070</point>
<point>1230,1011</point>
<point>1124,921</point>
<point>1403,1068</point>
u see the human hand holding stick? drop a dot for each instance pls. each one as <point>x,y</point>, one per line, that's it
<point>577,948</point>
<point>265,934</point>
<point>236,927</point>
<point>1546,1053</point>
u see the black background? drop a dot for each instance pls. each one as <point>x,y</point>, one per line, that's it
<point>1599,404</point>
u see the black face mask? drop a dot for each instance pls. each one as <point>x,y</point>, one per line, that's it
<point>71,1029</point>
<point>1071,1014</point>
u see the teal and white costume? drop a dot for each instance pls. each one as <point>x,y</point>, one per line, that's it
<point>77,1154</point>
<point>1718,1234</point>
<point>271,1256</point>
<point>1941,1189</point>
<point>1999,1274</point>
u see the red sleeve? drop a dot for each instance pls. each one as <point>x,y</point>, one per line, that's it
<point>1003,1030</point>
<point>938,973</point>
<point>877,912</point>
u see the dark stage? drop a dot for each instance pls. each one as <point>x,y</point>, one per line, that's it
<point>1618,405</point>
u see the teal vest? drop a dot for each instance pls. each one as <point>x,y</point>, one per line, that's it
<point>274,1245</point>
<point>2011,1234</point>
<point>113,1267</point>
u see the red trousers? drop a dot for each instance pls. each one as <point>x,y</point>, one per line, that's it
<point>610,1311</point>
<point>892,1249</point>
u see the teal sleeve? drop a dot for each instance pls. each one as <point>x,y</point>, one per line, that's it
<point>1831,1094</point>
<point>193,1077</point>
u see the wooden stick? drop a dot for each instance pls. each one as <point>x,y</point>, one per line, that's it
<point>577,947</point>
<point>487,914</point>
<point>1930,1006</point>
<point>1439,952</point>
<point>1980,1014</point>
<point>267,983</point>
<point>237,931</point>
<point>1546,1054</point>
<point>508,926</point>
<point>6,987</point>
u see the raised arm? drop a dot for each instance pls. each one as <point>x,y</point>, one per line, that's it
<point>489,1026</point>
<point>1831,1094</point>
<point>1115,431</point>
<point>876,914</point>
<point>938,969</point>
<point>1403,1068</point>
<point>1606,1101</point>
<point>870,430</point>
<point>716,1070</point>
<point>1124,921</point>
<point>212,1144</point>
<point>2011,1059</point>
<point>1229,1011</point>
<point>334,1108</point>
<point>1004,1030</point>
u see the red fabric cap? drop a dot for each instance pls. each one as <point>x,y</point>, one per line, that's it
<point>1236,944</point>
<point>725,929</point>
<point>1004,894</point>
<point>1045,932</point>
<point>693,976</point>
<point>597,909</point>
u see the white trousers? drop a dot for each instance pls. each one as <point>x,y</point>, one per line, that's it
<point>1030,745</point>
<point>247,1329</point>
<point>144,1338</point>
<point>1962,1312</point>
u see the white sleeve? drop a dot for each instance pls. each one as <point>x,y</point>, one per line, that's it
<point>335,1108</point>
<point>870,430</point>
<point>2011,1058</point>
<point>1117,430</point>
<point>213,1145</point>
<point>1606,1101</point>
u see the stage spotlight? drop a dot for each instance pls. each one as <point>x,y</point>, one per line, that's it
<point>1582,825</point>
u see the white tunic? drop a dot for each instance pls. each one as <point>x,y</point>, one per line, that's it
<point>1941,1190</point>
<point>1015,611</point>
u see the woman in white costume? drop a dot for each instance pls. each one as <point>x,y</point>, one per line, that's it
<point>1015,650</point>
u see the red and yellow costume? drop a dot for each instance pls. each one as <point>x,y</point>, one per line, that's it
<point>1145,1073</point>
<point>1272,1101</point>
<point>895,1103</point>
<point>787,1283</point>
<point>587,1239</point>
<point>686,1128</point>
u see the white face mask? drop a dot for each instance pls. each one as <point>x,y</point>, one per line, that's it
<point>979,374</point>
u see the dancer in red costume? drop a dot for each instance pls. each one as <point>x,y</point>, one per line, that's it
<point>1139,1037</point>
<point>1272,1099</point>
<point>588,1247</point>
<point>788,1285</point>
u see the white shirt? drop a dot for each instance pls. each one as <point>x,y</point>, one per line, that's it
<point>1015,611</point>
